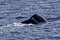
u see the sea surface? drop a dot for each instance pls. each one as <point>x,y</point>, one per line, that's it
<point>13,12</point>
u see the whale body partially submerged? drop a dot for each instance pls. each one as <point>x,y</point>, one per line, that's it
<point>35,19</point>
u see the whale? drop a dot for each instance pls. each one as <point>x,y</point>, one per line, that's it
<point>34,19</point>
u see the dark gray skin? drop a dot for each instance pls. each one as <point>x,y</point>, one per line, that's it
<point>35,19</point>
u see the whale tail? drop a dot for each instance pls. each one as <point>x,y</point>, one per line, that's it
<point>35,19</point>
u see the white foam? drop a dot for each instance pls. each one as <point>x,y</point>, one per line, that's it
<point>15,24</point>
<point>20,24</point>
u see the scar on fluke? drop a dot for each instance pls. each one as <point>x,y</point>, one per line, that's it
<point>34,19</point>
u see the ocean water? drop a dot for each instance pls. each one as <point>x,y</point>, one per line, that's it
<point>13,12</point>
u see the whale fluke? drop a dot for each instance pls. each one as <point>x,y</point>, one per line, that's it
<point>35,19</point>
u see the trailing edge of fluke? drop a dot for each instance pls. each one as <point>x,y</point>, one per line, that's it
<point>35,19</point>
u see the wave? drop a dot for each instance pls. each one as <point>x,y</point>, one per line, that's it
<point>53,19</point>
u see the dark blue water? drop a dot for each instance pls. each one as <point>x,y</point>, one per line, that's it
<point>12,12</point>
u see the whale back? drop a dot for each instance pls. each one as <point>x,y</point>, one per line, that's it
<point>35,19</point>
